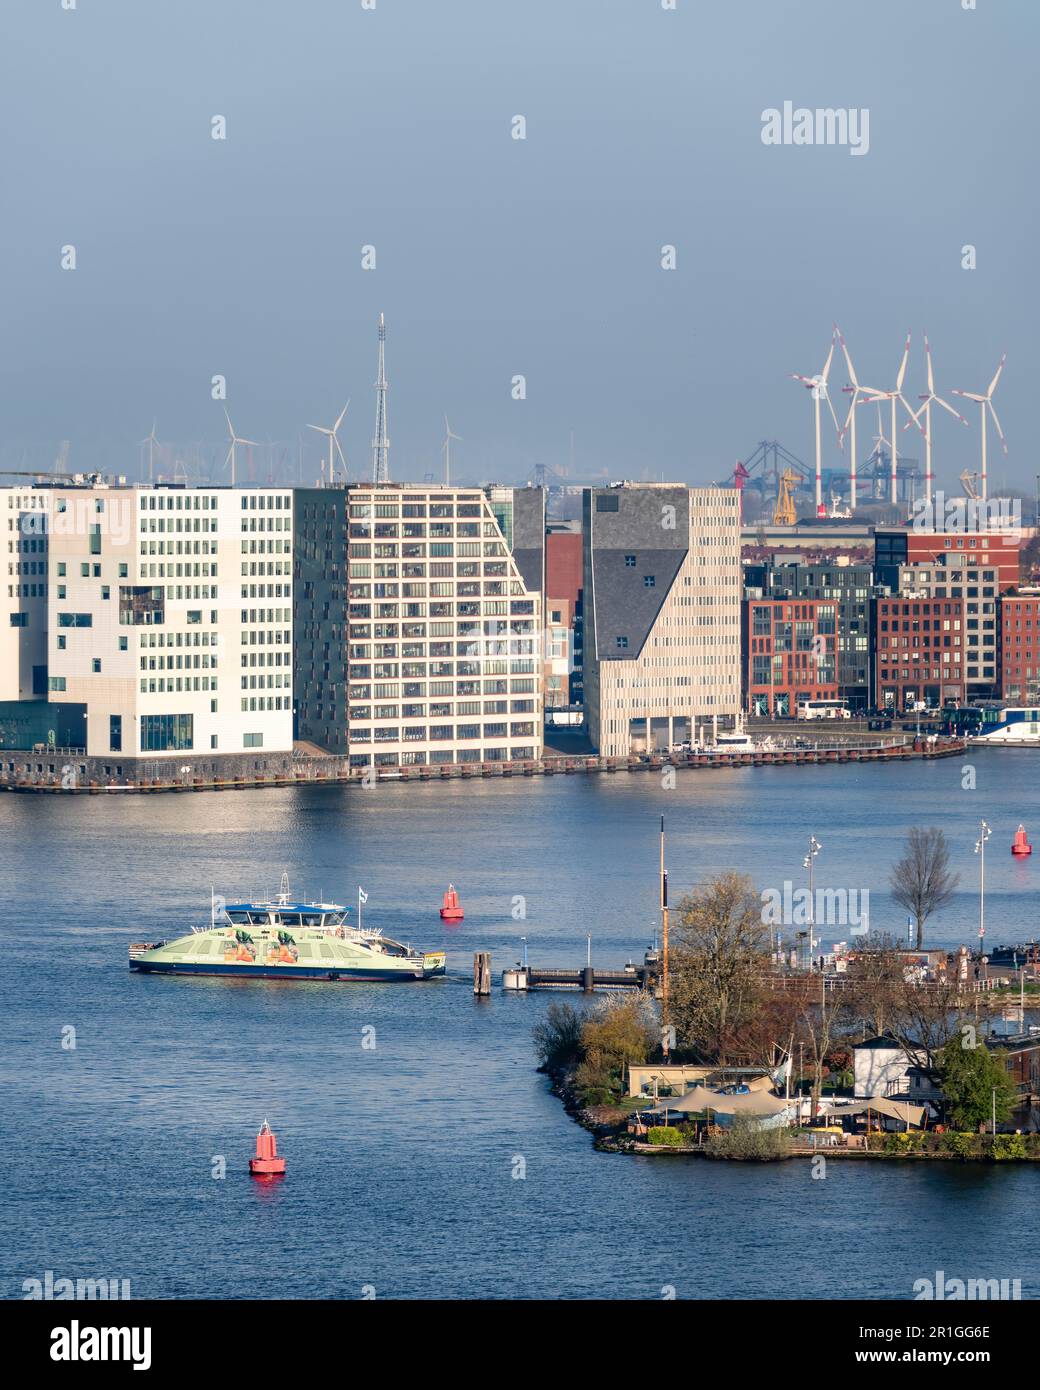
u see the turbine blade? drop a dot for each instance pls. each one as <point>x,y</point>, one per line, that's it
<point>946,406</point>
<point>341,415</point>
<point>1003,441</point>
<point>928,359</point>
<point>227,417</point>
<point>902,365</point>
<point>827,365</point>
<point>996,375</point>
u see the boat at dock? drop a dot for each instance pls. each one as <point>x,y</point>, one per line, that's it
<point>286,940</point>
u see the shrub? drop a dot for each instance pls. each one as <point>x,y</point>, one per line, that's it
<point>905,1142</point>
<point>557,1038</point>
<point>744,1139</point>
<point>598,1095</point>
<point>959,1145</point>
<point>1005,1146</point>
<point>667,1135</point>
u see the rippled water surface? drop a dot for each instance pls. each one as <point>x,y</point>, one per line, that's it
<point>401,1157</point>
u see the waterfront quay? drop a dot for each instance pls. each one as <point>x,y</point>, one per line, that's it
<point>56,771</point>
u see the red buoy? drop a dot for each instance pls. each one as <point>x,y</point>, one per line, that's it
<point>1020,845</point>
<point>450,908</point>
<point>267,1163</point>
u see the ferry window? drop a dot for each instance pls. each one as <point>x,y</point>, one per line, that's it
<point>311,919</point>
<point>258,919</point>
<point>289,919</point>
<point>240,919</point>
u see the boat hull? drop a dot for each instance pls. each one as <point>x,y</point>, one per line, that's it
<point>335,975</point>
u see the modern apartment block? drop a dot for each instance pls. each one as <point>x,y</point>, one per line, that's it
<point>418,623</point>
<point>563,615</point>
<point>1019,662</point>
<point>921,651</point>
<point>792,655</point>
<point>849,587</point>
<point>976,580</point>
<point>23,621</point>
<point>662,596</point>
<point>170,617</point>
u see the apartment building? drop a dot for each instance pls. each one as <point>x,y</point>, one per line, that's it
<point>662,597</point>
<point>849,587</point>
<point>23,620</point>
<point>563,615</point>
<point>418,623</point>
<point>965,576</point>
<point>170,617</point>
<point>921,651</point>
<point>1019,653</point>
<point>792,655</point>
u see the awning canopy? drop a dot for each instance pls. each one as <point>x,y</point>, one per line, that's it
<point>895,1109</point>
<point>699,1098</point>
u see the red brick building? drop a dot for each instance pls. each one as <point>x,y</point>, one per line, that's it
<point>563,616</point>
<point>1019,653</point>
<point>791,653</point>
<point>919,652</point>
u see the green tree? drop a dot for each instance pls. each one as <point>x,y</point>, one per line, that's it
<point>969,1078</point>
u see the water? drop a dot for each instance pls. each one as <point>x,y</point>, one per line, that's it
<point>401,1158</point>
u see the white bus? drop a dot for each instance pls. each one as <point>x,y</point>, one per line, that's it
<point>823,709</point>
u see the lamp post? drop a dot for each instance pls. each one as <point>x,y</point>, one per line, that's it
<point>980,850</point>
<point>808,863</point>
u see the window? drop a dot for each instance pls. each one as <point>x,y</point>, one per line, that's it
<point>19,620</point>
<point>162,733</point>
<point>95,665</point>
<point>115,733</point>
<point>56,683</point>
<point>622,643</point>
<point>75,620</point>
<point>630,562</point>
<point>252,740</point>
<point>606,503</point>
<point>649,581</point>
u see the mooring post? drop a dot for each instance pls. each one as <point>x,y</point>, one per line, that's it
<point>482,972</point>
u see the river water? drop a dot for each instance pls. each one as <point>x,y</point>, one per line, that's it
<point>435,1164</point>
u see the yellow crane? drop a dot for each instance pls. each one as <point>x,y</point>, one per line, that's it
<point>784,512</point>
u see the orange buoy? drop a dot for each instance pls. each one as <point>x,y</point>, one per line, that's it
<point>267,1162</point>
<point>1020,845</point>
<point>451,911</point>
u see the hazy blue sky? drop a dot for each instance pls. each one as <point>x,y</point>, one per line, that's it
<point>495,256</point>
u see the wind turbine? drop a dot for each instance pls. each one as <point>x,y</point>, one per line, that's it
<point>446,446</point>
<point>333,438</point>
<point>896,396</point>
<point>858,393</point>
<point>985,402</point>
<point>818,386</point>
<point>230,455</point>
<point>926,409</point>
<point>153,444</point>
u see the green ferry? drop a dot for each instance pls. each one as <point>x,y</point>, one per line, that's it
<point>285,940</point>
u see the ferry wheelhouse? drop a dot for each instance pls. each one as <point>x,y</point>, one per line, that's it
<point>286,940</point>
<point>991,724</point>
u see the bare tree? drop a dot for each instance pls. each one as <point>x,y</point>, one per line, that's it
<point>719,961</point>
<point>922,881</point>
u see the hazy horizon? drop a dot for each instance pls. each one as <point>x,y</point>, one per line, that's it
<point>496,257</point>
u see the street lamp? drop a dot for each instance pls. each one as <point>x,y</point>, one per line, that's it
<point>980,850</point>
<point>808,863</point>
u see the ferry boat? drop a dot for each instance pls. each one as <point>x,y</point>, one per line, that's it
<point>1015,726</point>
<point>280,939</point>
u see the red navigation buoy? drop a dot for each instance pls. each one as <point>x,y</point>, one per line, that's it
<point>267,1162</point>
<point>1020,845</point>
<point>450,908</point>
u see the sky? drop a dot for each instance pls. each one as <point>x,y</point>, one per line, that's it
<point>354,124</point>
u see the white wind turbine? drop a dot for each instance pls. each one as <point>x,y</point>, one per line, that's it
<point>985,402</point>
<point>859,393</point>
<point>153,444</point>
<point>333,438</point>
<point>818,386</point>
<point>230,456</point>
<point>446,446</point>
<point>926,410</point>
<point>896,397</point>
